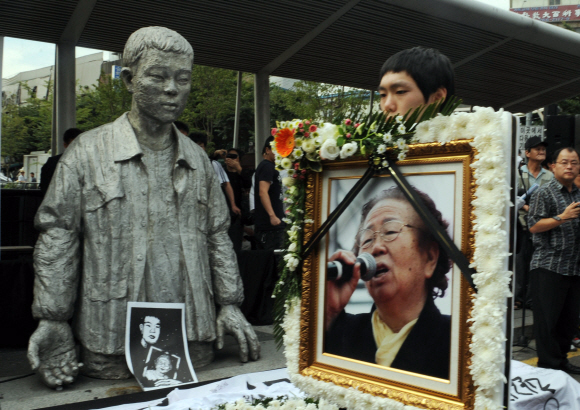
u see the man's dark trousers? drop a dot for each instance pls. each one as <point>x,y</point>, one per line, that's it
<point>556,300</point>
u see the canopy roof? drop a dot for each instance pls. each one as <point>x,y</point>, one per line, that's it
<point>501,59</point>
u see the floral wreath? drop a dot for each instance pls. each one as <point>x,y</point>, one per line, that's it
<point>299,146</point>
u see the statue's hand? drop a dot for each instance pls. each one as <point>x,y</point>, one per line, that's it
<point>51,352</point>
<point>232,321</point>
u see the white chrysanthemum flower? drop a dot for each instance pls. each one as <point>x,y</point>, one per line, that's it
<point>309,146</point>
<point>401,129</point>
<point>381,149</point>
<point>298,142</point>
<point>298,153</point>
<point>329,149</point>
<point>286,163</point>
<point>399,119</point>
<point>348,150</point>
<point>402,155</point>
<point>388,137</point>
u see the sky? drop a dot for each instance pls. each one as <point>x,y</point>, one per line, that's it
<point>24,55</point>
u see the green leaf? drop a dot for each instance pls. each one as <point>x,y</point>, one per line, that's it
<point>340,141</point>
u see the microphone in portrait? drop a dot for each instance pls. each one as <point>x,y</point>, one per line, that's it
<point>338,270</point>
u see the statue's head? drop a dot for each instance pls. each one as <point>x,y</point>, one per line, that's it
<point>157,64</point>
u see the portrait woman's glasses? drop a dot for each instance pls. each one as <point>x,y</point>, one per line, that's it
<point>388,232</point>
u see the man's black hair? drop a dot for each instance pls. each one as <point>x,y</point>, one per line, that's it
<point>429,68</point>
<point>70,134</point>
<point>198,137</point>
<point>437,283</point>
<point>181,126</point>
<point>557,153</point>
<point>267,144</point>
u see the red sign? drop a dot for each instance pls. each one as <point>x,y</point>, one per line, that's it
<point>551,14</point>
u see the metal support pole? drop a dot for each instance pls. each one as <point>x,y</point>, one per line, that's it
<point>64,97</point>
<point>528,119</point>
<point>238,107</point>
<point>261,112</point>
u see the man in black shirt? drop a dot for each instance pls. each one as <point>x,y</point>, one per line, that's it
<point>269,209</point>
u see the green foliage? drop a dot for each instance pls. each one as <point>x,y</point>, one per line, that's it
<point>212,99</point>
<point>321,102</point>
<point>26,127</point>
<point>101,103</point>
<point>570,106</point>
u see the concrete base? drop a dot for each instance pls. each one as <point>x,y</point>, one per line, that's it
<point>19,389</point>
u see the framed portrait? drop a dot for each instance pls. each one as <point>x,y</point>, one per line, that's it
<point>156,345</point>
<point>394,322</point>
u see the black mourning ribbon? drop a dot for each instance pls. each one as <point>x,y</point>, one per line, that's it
<point>434,228</point>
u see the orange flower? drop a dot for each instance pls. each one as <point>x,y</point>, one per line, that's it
<point>285,142</point>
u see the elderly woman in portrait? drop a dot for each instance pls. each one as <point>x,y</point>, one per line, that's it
<point>404,329</point>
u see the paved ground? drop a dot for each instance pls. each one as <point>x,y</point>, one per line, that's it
<point>20,390</point>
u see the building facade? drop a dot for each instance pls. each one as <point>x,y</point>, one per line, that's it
<point>563,13</point>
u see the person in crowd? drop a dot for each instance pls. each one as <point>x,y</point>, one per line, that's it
<point>555,266</point>
<point>415,77</point>
<point>134,213</point>
<point>182,127</point>
<point>201,139</point>
<point>48,169</point>
<point>241,181</point>
<point>269,211</point>
<point>32,177</point>
<point>411,273</point>
<point>529,175</point>
<point>22,177</point>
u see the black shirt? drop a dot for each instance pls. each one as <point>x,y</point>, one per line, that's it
<point>266,171</point>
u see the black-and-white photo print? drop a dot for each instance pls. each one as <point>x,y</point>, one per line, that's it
<point>156,345</point>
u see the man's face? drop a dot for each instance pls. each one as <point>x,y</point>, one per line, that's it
<point>402,265</point>
<point>537,153</point>
<point>400,93</point>
<point>150,329</point>
<point>269,155</point>
<point>566,168</point>
<point>237,158</point>
<point>160,85</point>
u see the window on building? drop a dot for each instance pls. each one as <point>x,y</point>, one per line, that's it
<point>554,2</point>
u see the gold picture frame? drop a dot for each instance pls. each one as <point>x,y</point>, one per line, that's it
<point>424,165</point>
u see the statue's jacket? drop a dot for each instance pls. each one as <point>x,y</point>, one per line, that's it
<point>90,256</point>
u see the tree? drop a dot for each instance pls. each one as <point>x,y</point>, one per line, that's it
<point>102,103</point>
<point>26,127</point>
<point>324,102</point>
<point>570,106</point>
<point>212,98</point>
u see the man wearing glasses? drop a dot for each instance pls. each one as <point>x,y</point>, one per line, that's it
<point>555,267</point>
<point>410,274</point>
